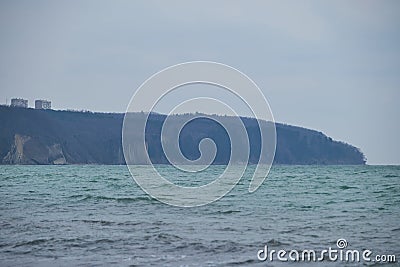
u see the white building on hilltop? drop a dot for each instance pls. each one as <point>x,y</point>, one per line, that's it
<point>42,104</point>
<point>19,102</point>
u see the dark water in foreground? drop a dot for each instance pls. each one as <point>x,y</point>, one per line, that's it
<point>97,215</point>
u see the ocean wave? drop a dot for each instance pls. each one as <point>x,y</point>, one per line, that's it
<point>391,176</point>
<point>34,242</point>
<point>85,197</point>
<point>346,187</point>
<point>276,243</point>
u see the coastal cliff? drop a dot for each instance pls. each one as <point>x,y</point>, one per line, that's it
<point>27,150</point>
<point>29,136</point>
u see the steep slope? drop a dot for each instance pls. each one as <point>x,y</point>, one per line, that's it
<point>29,136</point>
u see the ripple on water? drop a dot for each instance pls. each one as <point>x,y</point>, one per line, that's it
<point>96,215</point>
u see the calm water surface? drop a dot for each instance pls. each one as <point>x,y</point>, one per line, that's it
<point>97,215</point>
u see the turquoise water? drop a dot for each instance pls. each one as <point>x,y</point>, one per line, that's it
<point>97,215</point>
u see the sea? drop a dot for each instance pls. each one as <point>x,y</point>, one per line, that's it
<point>96,215</point>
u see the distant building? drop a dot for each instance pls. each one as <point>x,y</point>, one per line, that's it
<point>42,104</point>
<point>19,102</point>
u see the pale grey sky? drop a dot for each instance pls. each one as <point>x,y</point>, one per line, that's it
<point>331,66</point>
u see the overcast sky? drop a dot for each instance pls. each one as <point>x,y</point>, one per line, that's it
<point>331,66</point>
